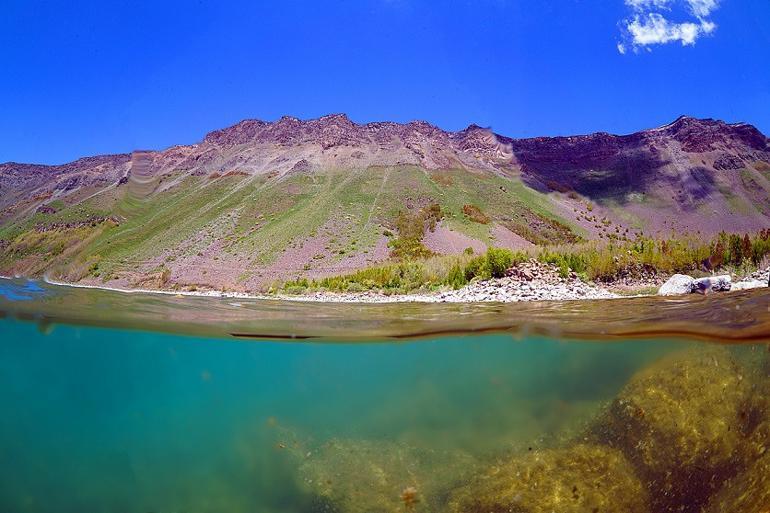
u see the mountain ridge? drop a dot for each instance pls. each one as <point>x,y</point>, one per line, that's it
<point>214,134</point>
<point>295,196</point>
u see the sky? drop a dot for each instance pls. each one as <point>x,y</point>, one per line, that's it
<point>82,78</point>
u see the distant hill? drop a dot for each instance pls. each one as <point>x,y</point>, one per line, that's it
<point>261,201</point>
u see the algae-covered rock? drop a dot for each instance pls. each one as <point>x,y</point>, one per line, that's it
<point>355,476</point>
<point>578,479</point>
<point>681,423</point>
<point>749,492</point>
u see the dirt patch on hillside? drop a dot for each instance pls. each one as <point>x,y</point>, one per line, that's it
<point>505,238</point>
<point>445,241</point>
<point>318,256</point>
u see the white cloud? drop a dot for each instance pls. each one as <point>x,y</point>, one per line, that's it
<point>702,8</point>
<point>654,29</point>
<point>643,5</point>
<point>647,26</point>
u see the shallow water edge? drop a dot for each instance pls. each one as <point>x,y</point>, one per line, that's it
<point>738,317</point>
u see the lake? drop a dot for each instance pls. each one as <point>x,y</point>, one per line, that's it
<point>156,403</point>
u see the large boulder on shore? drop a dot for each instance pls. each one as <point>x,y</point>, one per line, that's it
<point>578,479</point>
<point>712,284</point>
<point>676,285</point>
<point>682,423</point>
<point>748,285</point>
<point>683,284</point>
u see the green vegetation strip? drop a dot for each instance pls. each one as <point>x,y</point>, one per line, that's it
<point>591,261</point>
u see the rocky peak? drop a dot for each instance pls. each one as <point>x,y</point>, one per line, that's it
<point>239,133</point>
<point>704,135</point>
<point>336,119</point>
<point>473,127</point>
<point>481,141</point>
<point>423,126</point>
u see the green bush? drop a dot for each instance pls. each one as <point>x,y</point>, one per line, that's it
<point>594,261</point>
<point>456,277</point>
<point>408,244</point>
<point>492,264</point>
<point>498,261</point>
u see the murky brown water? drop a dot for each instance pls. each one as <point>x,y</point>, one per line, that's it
<point>736,317</point>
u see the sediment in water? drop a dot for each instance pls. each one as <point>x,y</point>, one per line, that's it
<point>354,476</point>
<point>582,478</point>
<point>690,433</point>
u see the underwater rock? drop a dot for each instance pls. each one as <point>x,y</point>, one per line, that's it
<point>749,492</point>
<point>355,476</point>
<point>582,478</point>
<point>681,423</point>
<point>677,284</point>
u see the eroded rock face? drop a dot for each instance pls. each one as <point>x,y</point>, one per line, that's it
<point>682,423</point>
<point>355,476</point>
<point>583,478</point>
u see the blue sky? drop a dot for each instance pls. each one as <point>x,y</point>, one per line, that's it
<point>81,78</point>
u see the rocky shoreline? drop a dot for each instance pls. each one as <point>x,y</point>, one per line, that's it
<point>528,281</point>
<point>680,284</point>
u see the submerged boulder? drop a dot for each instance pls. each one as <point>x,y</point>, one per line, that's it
<point>354,476</point>
<point>676,285</point>
<point>749,492</point>
<point>681,423</point>
<point>582,478</point>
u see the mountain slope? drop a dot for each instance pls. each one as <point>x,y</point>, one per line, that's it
<point>260,201</point>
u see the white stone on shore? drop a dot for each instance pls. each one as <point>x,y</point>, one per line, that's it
<point>749,284</point>
<point>676,285</point>
<point>712,283</point>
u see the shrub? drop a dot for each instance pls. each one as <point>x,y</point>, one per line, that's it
<point>475,214</point>
<point>456,277</point>
<point>165,275</point>
<point>492,264</point>
<point>432,214</point>
<point>594,260</point>
<point>498,261</point>
<point>411,228</point>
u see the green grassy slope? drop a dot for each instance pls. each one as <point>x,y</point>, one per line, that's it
<point>258,218</point>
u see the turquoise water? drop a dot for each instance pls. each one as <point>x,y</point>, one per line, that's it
<point>115,420</point>
<point>112,419</point>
